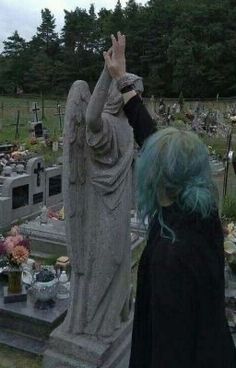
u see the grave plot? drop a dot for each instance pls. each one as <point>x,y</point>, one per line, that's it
<point>27,328</point>
<point>22,324</point>
<point>36,126</point>
<point>23,192</point>
<point>48,236</point>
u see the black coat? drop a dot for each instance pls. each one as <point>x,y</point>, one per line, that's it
<point>179,317</point>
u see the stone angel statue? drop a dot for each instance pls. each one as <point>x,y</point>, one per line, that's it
<point>98,157</point>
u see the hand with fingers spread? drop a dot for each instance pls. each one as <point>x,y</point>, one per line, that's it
<point>115,57</point>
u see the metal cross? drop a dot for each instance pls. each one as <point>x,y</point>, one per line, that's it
<point>17,125</point>
<point>35,110</point>
<point>226,173</point>
<point>60,114</point>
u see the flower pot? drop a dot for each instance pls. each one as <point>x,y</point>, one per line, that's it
<point>14,280</point>
<point>44,291</point>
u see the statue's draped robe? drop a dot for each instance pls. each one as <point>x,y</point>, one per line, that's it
<point>102,200</point>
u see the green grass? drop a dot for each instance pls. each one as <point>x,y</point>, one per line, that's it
<point>229,208</point>
<point>218,145</point>
<point>8,114</point>
<point>13,358</point>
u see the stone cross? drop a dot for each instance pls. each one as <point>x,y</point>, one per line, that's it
<point>37,171</point>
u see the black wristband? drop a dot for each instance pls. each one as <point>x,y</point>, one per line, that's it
<point>127,89</point>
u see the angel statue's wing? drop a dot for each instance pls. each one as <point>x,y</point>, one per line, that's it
<point>74,171</point>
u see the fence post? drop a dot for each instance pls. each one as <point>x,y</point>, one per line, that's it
<point>42,101</point>
<point>2,108</point>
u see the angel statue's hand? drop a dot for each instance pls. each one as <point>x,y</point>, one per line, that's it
<point>115,57</point>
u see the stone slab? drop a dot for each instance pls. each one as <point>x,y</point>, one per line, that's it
<point>22,342</point>
<point>47,239</point>
<point>14,297</point>
<point>23,318</point>
<point>61,361</point>
<point>84,351</point>
<point>50,239</point>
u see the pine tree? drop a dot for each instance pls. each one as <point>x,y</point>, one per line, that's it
<point>14,46</point>
<point>14,63</point>
<point>46,37</point>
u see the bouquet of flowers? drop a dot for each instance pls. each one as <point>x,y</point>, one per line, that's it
<point>14,249</point>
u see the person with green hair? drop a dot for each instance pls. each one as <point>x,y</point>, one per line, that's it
<point>179,319</point>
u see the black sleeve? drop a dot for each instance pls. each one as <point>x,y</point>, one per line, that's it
<point>140,119</point>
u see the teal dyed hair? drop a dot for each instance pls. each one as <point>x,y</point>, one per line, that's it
<point>174,165</point>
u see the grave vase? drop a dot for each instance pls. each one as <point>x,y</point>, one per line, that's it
<point>14,280</point>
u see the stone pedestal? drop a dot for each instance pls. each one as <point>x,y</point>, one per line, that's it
<point>69,351</point>
<point>26,328</point>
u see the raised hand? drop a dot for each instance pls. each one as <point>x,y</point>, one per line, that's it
<point>115,56</point>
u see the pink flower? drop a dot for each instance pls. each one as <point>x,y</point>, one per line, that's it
<point>19,254</point>
<point>17,239</point>
<point>11,242</point>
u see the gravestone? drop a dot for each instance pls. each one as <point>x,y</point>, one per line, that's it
<point>36,125</point>
<point>24,192</point>
<point>54,185</point>
<point>36,169</point>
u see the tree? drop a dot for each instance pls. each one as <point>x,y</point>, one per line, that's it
<point>81,48</point>
<point>46,37</point>
<point>14,63</point>
<point>175,46</point>
<point>14,46</point>
<point>44,55</point>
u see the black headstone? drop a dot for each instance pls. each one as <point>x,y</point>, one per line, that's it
<point>55,185</point>
<point>38,130</point>
<point>20,196</point>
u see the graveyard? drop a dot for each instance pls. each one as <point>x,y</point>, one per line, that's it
<point>71,235</point>
<point>31,197</point>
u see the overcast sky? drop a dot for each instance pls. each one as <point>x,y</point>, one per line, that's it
<point>25,16</point>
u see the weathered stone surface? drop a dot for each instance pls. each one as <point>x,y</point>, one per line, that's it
<point>35,324</point>
<point>84,351</point>
<point>98,158</point>
<point>13,298</point>
<point>22,195</point>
